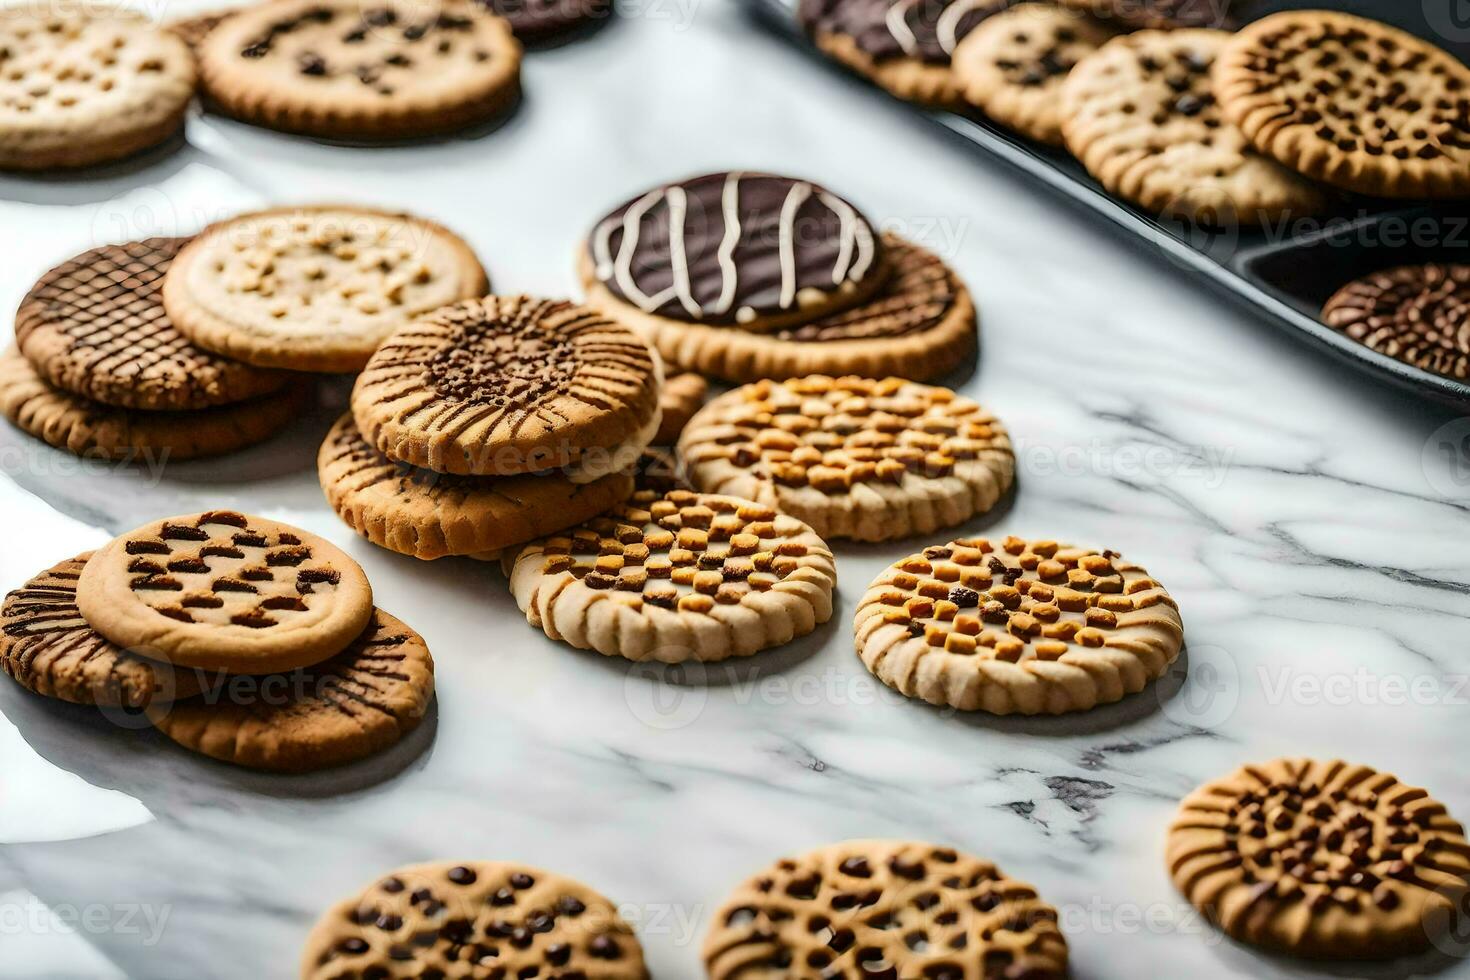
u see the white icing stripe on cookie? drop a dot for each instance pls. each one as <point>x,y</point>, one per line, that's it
<point>948,27</point>
<point>729,274</point>
<point>898,26</point>
<point>794,200</point>
<point>678,254</point>
<point>623,268</point>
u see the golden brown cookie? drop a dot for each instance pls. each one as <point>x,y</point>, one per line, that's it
<point>1350,101</point>
<point>430,515</point>
<point>87,428</point>
<point>352,705</point>
<point>95,326</point>
<point>48,648</point>
<point>1323,859</point>
<point>508,385</point>
<point>1160,15</point>
<point>1140,114</point>
<point>221,590</point>
<point>853,458</point>
<point>1017,627</point>
<point>1419,314</point>
<point>388,69</point>
<point>83,86</point>
<point>681,397</point>
<point>482,920</point>
<point>314,288</point>
<point>677,577</point>
<point>880,908</point>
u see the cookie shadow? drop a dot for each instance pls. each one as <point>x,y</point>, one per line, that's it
<point>101,182</point>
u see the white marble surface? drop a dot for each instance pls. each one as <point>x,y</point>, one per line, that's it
<point>1314,538</point>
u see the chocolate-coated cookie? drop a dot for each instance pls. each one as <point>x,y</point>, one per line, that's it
<point>1419,314</point>
<point>1161,15</point>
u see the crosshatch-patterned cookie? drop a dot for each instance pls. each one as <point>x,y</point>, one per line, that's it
<point>221,590</point>
<point>81,90</point>
<point>1352,102</point>
<point>1323,859</point>
<point>389,69</point>
<point>681,397</point>
<point>875,908</point>
<point>854,458</point>
<point>95,326</point>
<point>1140,114</point>
<point>48,648</point>
<point>677,577</point>
<point>431,515</point>
<point>1419,314</point>
<point>314,288</point>
<point>351,705</point>
<point>1156,14</point>
<point>1017,627</point>
<point>508,385</point>
<point>480,919</point>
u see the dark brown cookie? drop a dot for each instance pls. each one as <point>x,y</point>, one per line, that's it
<point>1419,314</point>
<point>1158,14</point>
<point>541,20</point>
<point>927,30</point>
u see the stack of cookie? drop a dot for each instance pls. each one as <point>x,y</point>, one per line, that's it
<point>242,638</point>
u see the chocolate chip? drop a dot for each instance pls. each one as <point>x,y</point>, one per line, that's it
<point>604,948</point>
<point>856,867</point>
<point>963,597</point>
<point>312,64</point>
<point>462,875</point>
<point>521,880</point>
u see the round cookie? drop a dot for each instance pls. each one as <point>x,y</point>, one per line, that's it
<point>481,920</point>
<point>681,397</point>
<point>95,326</point>
<point>1017,627</point>
<point>195,29</point>
<point>391,69</point>
<point>429,515</point>
<point>48,648</point>
<point>82,90</point>
<point>221,590</point>
<point>87,428</point>
<point>314,288</point>
<point>1161,15</point>
<point>920,324</point>
<point>676,577</point>
<point>877,908</point>
<point>1321,859</point>
<point>1140,115</point>
<point>537,21</point>
<point>853,458</point>
<point>1419,314</point>
<point>1013,65</point>
<point>509,385</point>
<point>352,705</point>
<point>755,250</point>
<point>1350,101</point>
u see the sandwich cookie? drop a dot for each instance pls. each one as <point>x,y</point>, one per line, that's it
<point>1418,314</point>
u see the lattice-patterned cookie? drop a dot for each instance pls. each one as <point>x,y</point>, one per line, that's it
<point>1025,627</point>
<point>1323,859</point>
<point>677,577</point>
<point>314,288</point>
<point>854,458</point>
<point>80,90</point>
<point>482,920</point>
<point>385,69</point>
<point>227,591</point>
<point>1350,101</point>
<point>507,385</point>
<point>1419,314</point>
<point>894,909</point>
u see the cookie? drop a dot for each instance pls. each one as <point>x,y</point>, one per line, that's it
<point>48,648</point>
<point>920,325</point>
<point>391,69</point>
<point>1419,314</point>
<point>1161,15</point>
<point>82,90</point>
<point>677,577</point>
<point>352,705</point>
<point>1321,859</point>
<point>221,590</point>
<point>853,458</point>
<point>1013,65</point>
<point>755,250</point>
<point>879,908</point>
<point>660,470</point>
<point>1350,101</point>
<point>87,428</point>
<point>429,515</point>
<point>314,288</point>
<point>904,46</point>
<point>508,385</point>
<point>537,21</point>
<point>480,919</point>
<point>681,397</point>
<point>95,326</point>
<point>1140,114</point>
<point>1017,627</point>
<point>195,29</point>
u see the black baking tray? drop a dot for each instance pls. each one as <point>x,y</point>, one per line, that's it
<point>1285,274</point>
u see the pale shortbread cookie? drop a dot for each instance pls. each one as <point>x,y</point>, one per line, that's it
<point>1023,627</point>
<point>853,458</point>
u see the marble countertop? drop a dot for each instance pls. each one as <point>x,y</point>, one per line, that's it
<point>1311,525</point>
